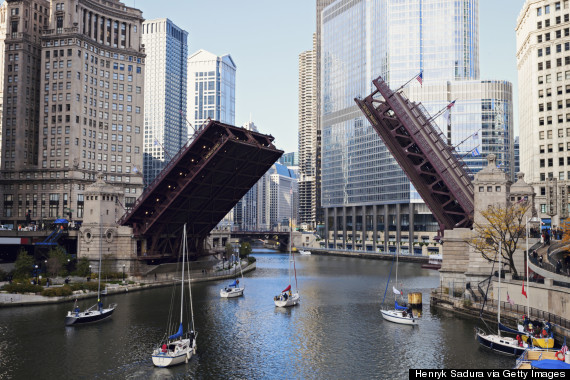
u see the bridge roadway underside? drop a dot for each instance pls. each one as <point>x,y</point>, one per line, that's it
<point>199,186</point>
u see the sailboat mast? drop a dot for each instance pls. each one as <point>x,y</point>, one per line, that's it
<point>189,283</point>
<point>182,287</point>
<point>100,254</point>
<point>499,289</point>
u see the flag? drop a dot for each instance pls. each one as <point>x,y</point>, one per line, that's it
<point>135,170</point>
<point>451,105</point>
<point>523,199</point>
<point>420,77</point>
<point>156,142</point>
<point>564,348</point>
<point>446,115</point>
<point>476,136</point>
<point>523,291</point>
<point>475,152</point>
<point>396,291</point>
<point>509,300</point>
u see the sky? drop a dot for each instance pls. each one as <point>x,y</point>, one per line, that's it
<point>266,37</point>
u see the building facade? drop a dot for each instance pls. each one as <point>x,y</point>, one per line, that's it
<point>543,61</point>
<point>211,89</point>
<point>165,128</point>
<point>308,138</point>
<point>83,87</point>
<point>369,202</point>
<point>277,193</point>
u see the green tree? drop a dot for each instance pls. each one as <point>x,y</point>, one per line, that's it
<point>57,258</point>
<point>83,267</point>
<point>106,265</point>
<point>23,266</point>
<point>244,250</point>
<point>505,225</point>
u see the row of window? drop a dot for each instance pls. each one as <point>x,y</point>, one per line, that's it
<point>547,64</point>
<point>558,20</point>
<point>557,7</point>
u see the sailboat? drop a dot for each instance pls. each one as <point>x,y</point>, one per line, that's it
<point>96,312</point>
<point>496,342</point>
<point>180,346</point>
<point>287,298</point>
<point>400,314</point>
<point>233,289</point>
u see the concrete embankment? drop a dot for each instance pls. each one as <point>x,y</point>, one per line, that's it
<point>141,283</point>
<point>468,308</point>
<point>369,255</point>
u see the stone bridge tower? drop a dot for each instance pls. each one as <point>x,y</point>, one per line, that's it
<point>100,235</point>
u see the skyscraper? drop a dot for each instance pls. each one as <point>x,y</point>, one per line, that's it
<point>80,116</point>
<point>211,88</point>
<point>543,43</point>
<point>165,130</point>
<point>368,200</point>
<point>308,137</point>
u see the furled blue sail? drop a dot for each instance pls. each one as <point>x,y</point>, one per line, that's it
<point>178,334</point>
<point>233,284</point>
<point>398,307</point>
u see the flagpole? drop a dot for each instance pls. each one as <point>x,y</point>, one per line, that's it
<point>165,151</point>
<point>467,138</point>
<point>405,84</point>
<point>527,258</point>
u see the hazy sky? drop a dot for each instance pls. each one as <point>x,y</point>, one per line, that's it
<point>265,38</point>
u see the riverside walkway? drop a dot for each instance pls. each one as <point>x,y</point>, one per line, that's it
<point>133,283</point>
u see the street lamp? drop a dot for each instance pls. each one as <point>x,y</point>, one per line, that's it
<point>88,278</point>
<point>36,267</point>
<point>123,273</point>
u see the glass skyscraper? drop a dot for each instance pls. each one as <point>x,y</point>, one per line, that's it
<point>165,129</point>
<point>369,202</point>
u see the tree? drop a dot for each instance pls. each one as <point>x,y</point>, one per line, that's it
<point>502,224</point>
<point>244,250</point>
<point>23,266</point>
<point>83,267</point>
<point>57,258</point>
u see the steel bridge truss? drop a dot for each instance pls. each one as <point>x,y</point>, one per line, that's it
<point>419,147</point>
<point>199,186</point>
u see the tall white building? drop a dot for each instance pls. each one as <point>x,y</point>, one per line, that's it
<point>277,198</point>
<point>211,88</point>
<point>165,129</point>
<point>543,61</point>
<point>308,137</point>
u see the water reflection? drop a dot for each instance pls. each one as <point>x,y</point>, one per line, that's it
<point>337,330</point>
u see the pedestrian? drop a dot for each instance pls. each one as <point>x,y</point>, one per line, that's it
<point>540,261</point>
<point>534,255</point>
<point>47,282</point>
<point>558,266</point>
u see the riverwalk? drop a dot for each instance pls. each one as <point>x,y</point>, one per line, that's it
<point>133,284</point>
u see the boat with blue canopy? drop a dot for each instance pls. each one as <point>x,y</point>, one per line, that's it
<point>234,289</point>
<point>399,314</point>
<point>178,347</point>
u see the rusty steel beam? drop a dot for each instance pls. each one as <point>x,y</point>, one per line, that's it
<point>418,146</point>
<point>200,185</point>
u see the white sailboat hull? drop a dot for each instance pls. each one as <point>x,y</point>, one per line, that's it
<point>305,252</point>
<point>231,292</point>
<point>290,301</point>
<point>177,352</point>
<point>397,316</point>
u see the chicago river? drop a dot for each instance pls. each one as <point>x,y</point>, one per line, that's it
<point>336,332</point>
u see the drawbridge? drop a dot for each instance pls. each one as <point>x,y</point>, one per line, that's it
<point>198,187</point>
<point>420,149</point>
